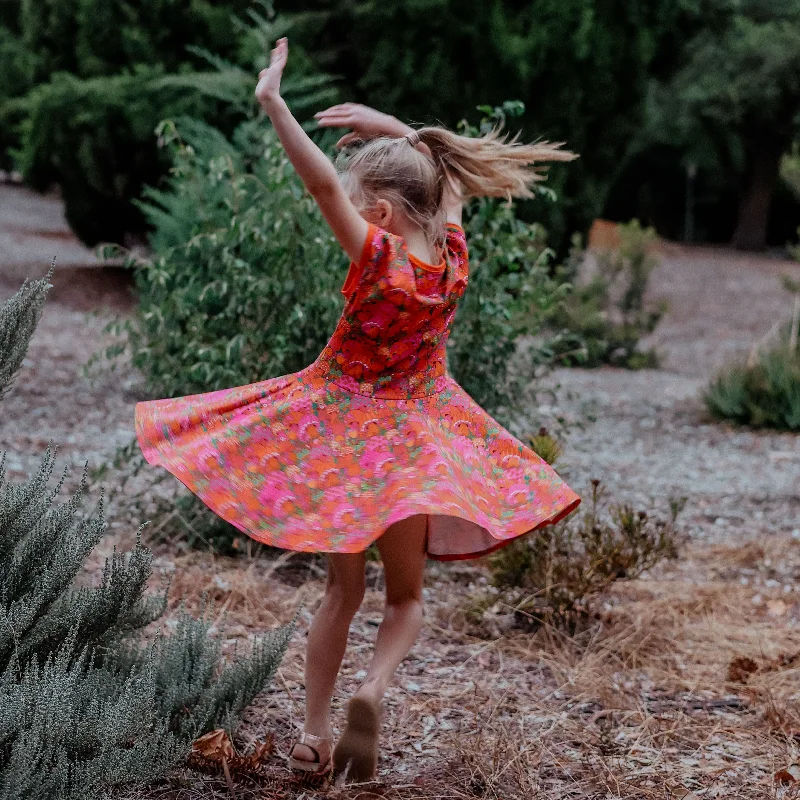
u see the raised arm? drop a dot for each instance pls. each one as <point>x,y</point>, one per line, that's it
<point>311,164</point>
<point>367,123</point>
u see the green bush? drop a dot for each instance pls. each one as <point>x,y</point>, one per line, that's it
<point>553,576</point>
<point>95,138</point>
<point>89,38</point>
<point>603,319</point>
<point>243,283</point>
<point>763,393</point>
<point>89,123</point>
<point>511,292</point>
<point>16,78</point>
<point>89,700</point>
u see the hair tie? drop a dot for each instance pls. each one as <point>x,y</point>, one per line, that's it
<point>412,138</point>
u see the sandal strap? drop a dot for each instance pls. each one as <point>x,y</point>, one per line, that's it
<point>312,743</point>
<point>310,739</point>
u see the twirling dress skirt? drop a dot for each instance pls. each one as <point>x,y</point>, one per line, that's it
<point>374,431</point>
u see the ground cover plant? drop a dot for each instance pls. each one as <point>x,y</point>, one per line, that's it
<point>764,391</point>
<point>92,697</point>
<point>604,317</point>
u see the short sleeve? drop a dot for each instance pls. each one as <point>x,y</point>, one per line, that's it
<point>456,243</point>
<point>378,246</point>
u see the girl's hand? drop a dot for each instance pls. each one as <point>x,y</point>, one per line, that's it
<point>269,79</point>
<point>366,122</point>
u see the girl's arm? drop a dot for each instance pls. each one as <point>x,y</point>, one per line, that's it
<point>311,164</point>
<point>366,123</point>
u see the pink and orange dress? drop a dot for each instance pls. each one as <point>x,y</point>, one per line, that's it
<point>374,431</point>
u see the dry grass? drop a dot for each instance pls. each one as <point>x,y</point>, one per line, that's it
<point>640,704</point>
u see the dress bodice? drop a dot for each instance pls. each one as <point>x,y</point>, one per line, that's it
<point>391,337</point>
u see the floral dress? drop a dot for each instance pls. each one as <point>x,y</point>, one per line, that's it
<point>374,431</point>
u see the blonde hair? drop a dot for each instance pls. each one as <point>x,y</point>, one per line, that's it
<point>491,165</point>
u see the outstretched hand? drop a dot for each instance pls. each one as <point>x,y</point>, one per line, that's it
<point>366,122</point>
<point>269,79</point>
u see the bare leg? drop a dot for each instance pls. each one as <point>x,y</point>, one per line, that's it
<point>403,552</point>
<point>327,640</point>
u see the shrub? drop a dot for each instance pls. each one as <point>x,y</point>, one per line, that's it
<point>243,284</point>
<point>87,702</point>
<point>763,392</point>
<point>16,78</point>
<point>511,292</point>
<point>604,318</point>
<point>554,575</point>
<point>89,125</point>
<point>95,139</point>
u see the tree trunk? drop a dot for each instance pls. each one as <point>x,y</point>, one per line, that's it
<point>760,181</point>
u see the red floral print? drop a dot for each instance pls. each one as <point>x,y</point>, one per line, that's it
<point>374,431</point>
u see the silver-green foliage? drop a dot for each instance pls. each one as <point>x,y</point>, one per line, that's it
<point>19,317</point>
<point>85,702</point>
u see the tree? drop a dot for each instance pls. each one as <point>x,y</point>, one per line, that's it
<point>581,67</point>
<point>85,702</point>
<point>734,104</point>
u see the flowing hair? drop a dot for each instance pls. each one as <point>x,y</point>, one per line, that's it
<point>491,165</point>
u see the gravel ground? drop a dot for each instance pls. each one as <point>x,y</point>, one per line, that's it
<point>651,437</point>
<point>606,714</point>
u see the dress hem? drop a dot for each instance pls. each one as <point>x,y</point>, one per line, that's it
<point>151,455</point>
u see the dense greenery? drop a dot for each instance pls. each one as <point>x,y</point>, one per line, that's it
<point>639,90</point>
<point>580,66</point>
<point>244,278</point>
<point>733,104</point>
<point>95,138</point>
<point>88,700</point>
<point>88,81</point>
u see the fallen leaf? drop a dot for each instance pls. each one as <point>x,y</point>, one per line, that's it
<point>214,746</point>
<point>740,669</point>
<point>789,775</point>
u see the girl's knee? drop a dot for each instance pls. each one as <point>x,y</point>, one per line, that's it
<point>345,599</point>
<point>409,608</point>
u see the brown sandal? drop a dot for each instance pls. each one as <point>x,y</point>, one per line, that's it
<point>313,743</point>
<point>356,752</point>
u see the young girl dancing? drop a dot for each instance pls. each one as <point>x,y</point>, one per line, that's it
<point>374,441</point>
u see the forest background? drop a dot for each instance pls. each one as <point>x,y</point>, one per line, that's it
<point>684,112</point>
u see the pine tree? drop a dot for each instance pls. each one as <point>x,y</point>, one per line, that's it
<point>85,703</point>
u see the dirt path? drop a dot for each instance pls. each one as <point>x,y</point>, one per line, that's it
<point>651,437</point>
<point>641,707</point>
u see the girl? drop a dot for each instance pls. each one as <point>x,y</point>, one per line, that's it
<point>374,441</point>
